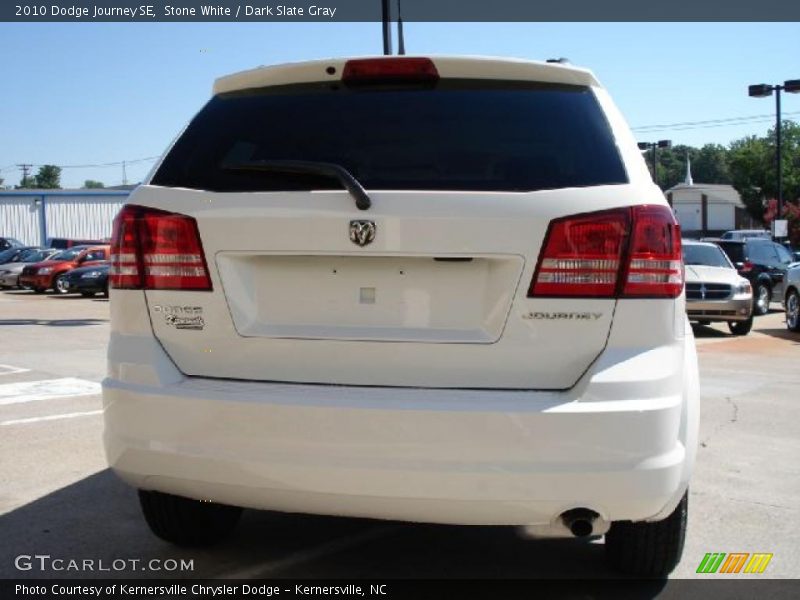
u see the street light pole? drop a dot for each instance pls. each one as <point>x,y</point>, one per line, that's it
<point>652,146</point>
<point>762,90</point>
<point>778,149</point>
<point>655,165</point>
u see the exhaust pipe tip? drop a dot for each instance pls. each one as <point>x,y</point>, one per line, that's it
<point>579,521</point>
<point>581,528</point>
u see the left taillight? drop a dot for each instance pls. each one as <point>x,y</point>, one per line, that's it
<point>154,249</point>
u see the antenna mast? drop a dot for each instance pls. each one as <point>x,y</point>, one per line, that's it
<point>387,31</point>
<point>401,45</point>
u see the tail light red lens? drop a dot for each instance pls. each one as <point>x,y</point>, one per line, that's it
<point>655,266</point>
<point>389,70</point>
<point>582,255</point>
<point>746,267</point>
<point>157,250</point>
<point>626,252</point>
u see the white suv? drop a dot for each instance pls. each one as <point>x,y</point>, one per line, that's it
<point>427,289</point>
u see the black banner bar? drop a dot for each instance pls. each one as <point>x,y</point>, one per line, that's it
<point>710,588</point>
<point>413,10</point>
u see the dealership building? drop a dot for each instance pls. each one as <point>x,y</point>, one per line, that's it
<point>34,216</point>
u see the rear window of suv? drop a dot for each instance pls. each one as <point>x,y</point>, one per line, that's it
<point>454,135</point>
<point>734,250</point>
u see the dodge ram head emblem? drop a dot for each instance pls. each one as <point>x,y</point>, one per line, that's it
<point>362,232</point>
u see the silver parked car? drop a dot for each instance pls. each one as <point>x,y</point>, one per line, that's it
<point>714,290</point>
<point>10,271</point>
<point>791,298</point>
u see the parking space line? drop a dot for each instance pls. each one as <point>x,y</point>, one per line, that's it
<point>10,370</point>
<point>314,553</point>
<point>87,413</point>
<point>32,391</point>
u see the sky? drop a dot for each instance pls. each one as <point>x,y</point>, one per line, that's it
<point>78,94</point>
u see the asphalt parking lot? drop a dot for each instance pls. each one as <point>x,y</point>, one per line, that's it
<point>57,498</point>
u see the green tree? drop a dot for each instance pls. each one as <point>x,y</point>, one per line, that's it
<point>90,184</point>
<point>672,165</point>
<point>753,170</point>
<point>710,164</point>
<point>48,177</point>
<point>27,181</point>
<point>791,161</point>
<point>750,161</point>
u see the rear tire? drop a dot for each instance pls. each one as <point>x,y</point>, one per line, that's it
<point>793,311</point>
<point>61,286</point>
<point>761,299</point>
<point>186,522</point>
<point>646,549</point>
<point>741,327</point>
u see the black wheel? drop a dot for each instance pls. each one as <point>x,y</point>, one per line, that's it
<point>186,522</point>
<point>741,327</point>
<point>647,549</point>
<point>88,294</point>
<point>761,297</point>
<point>793,311</point>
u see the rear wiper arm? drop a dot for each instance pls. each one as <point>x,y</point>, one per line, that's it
<point>322,169</point>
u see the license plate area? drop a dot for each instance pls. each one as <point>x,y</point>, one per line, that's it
<point>378,298</point>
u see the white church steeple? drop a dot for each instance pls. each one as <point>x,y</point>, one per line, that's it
<point>689,180</point>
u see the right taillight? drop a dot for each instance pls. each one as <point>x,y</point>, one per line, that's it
<point>626,252</point>
<point>582,255</point>
<point>655,262</point>
<point>153,249</point>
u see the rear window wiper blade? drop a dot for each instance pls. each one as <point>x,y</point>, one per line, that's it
<point>323,169</point>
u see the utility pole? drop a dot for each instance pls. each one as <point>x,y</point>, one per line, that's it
<point>25,169</point>
<point>124,174</point>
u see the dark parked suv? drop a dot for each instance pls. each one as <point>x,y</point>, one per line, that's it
<point>764,263</point>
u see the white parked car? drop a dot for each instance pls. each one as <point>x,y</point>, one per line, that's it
<point>428,289</point>
<point>714,289</point>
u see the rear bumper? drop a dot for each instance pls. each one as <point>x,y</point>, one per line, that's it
<point>9,279</point>
<point>734,309</point>
<point>86,285</point>
<point>429,455</point>
<point>36,281</point>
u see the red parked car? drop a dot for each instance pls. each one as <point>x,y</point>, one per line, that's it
<point>43,275</point>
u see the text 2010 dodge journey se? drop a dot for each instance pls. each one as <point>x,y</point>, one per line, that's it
<point>428,289</point>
